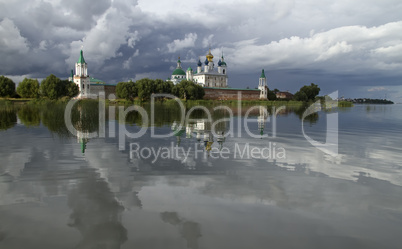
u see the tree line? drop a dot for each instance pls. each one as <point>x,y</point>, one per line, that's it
<point>307,93</point>
<point>54,88</point>
<point>51,87</point>
<point>144,88</point>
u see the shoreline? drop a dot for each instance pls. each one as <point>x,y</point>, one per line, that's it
<point>288,103</point>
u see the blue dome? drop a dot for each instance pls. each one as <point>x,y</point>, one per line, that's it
<point>219,62</point>
<point>206,62</point>
<point>199,63</point>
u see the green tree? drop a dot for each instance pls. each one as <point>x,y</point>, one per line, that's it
<point>122,90</point>
<point>300,96</point>
<point>307,93</point>
<point>28,88</point>
<point>272,94</point>
<point>69,88</point>
<point>145,88</point>
<point>188,90</point>
<point>51,87</point>
<point>126,90</point>
<point>54,88</point>
<point>7,87</point>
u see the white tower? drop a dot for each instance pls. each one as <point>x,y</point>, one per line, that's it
<point>210,58</point>
<point>262,86</point>
<point>189,74</point>
<point>206,67</point>
<point>222,66</point>
<point>199,66</point>
<point>81,77</point>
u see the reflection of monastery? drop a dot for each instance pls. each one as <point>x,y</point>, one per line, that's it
<point>215,82</point>
<point>201,130</point>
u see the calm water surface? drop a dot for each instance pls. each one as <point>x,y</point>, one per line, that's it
<point>64,191</point>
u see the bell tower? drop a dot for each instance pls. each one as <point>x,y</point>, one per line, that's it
<point>262,86</point>
<point>81,77</point>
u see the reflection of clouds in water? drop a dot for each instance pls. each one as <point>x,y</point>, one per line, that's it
<point>96,214</point>
<point>372,157</point>
<point>189,230</point>
<point>45,172</point>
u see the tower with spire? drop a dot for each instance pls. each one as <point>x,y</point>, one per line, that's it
<point>81,77</point>
<point>178,74</point>
<point>262,86</point>
<point>222,65</point>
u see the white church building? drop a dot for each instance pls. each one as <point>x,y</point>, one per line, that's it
<point>88,86</point>
<point>215,80</point>
<point>81,77</point>
<point>206,75</point>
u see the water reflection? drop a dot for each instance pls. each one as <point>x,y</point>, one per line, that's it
<point>8,118</point>
<point>189,230</point>
<point>110,199</point>
<point>29,115</point>
<point>96,214</point>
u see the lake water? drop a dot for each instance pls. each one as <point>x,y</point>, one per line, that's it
<point>263,186</point>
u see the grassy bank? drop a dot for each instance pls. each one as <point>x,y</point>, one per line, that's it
<point>345,104</point>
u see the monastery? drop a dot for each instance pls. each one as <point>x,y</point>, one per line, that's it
<point>215,82</point>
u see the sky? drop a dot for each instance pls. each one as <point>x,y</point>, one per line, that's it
<point>353,47</point>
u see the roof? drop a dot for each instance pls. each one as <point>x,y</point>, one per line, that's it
<point>93,80</point>
<point>98,84</point>
<point>262,74</point>
<point>284,95</point>
<point>81,59</point>
<point>213,73</point>
<point>228,88</point>
<point>178,71</point>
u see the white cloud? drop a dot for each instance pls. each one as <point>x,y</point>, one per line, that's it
<point>343,49</point>
<point>132,39</point>
<point>377,89</point>
<point>207,41</point>
<point>127,63</point>
<point>342,37</point>
<point>110,32</point>
<point>43,45</point>
<point>11,40</point>
<point>143,75</point>
<point>187,42</point>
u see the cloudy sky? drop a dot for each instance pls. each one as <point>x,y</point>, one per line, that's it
<point>354,47</point>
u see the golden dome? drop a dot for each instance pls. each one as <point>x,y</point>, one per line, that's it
<point>209,56</point>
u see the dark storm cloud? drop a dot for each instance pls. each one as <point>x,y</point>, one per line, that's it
<point>344,44</point>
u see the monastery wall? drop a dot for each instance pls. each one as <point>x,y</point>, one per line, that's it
<point>231,93</point>
<point>108,89</point>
